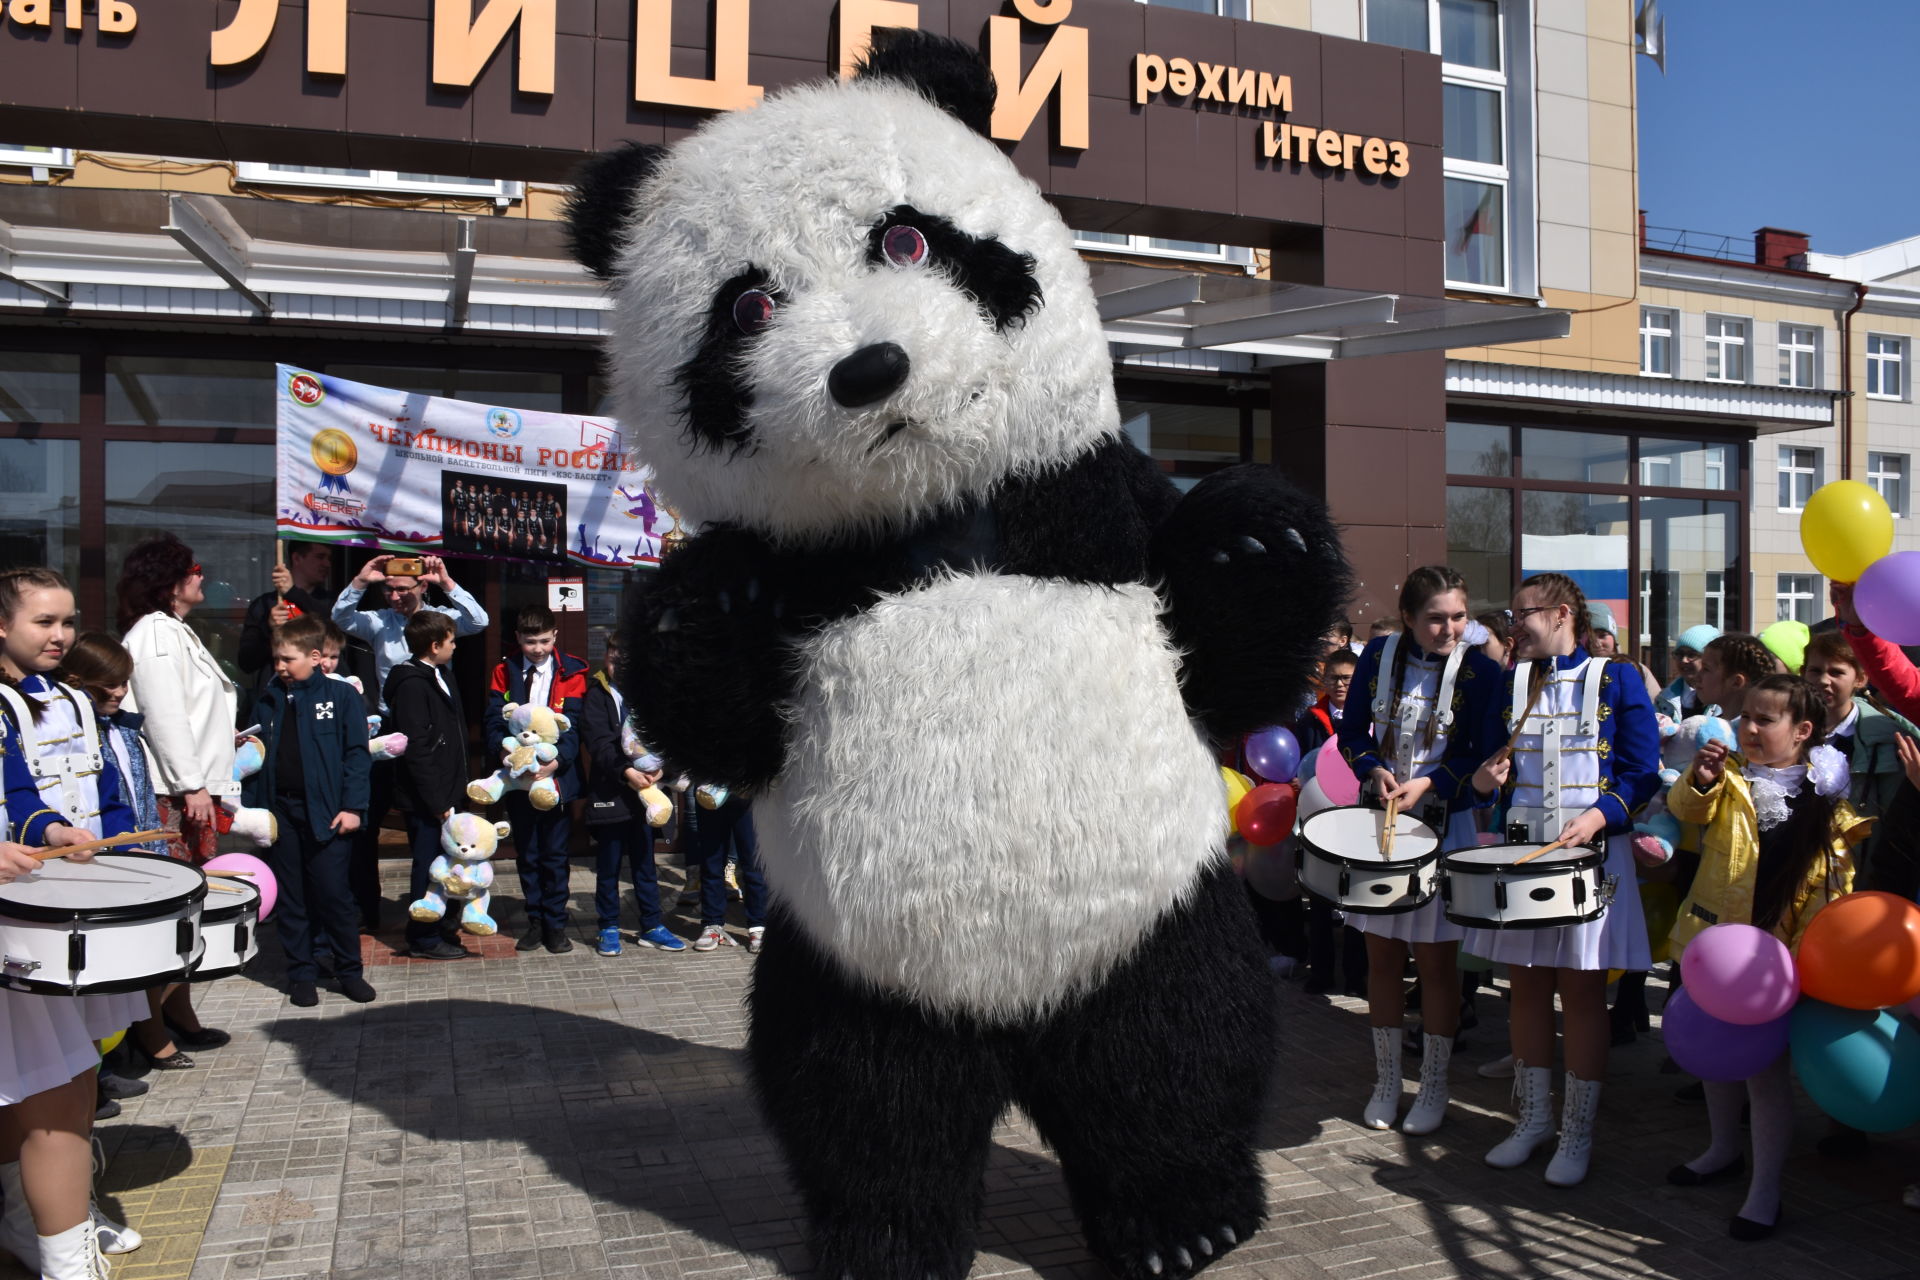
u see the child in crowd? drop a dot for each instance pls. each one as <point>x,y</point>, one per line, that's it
<point>48,1058</point>
<point>1729,666</point>
<point>728,825</point>
<point>424,703</point>
<point>315,779</point>
<point>363,861</point>
<point>101,667</point>
<point>1778,834</point>
<point>1494,625</point>
<point>617,818</point>
<point>1322,720</point>
<point>1327,936</point>
<point>1867,734</point>
<point>544,676</point>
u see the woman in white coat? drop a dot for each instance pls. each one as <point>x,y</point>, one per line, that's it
<point>188,705</point>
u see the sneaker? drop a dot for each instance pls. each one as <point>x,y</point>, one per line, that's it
<point>531,939</point>
<point>437,948</point>
<point>303,995</point>
<point>557,941</point>
<point>114,1086</point>
<point>607,942</point>
<point>711,937</point>
<point>357,989</point>
<point>756,934</point>
<point>1498,1069</point>
<point>661,938</point>
<point>107,1109</point>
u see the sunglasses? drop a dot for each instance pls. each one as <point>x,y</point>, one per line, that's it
<point>195,572</point>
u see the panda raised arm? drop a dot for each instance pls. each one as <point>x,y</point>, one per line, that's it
<point>872,363</point>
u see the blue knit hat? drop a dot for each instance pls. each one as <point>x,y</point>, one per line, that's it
<point>1698,638</point>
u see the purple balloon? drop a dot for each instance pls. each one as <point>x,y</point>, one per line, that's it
<point>1888,597</point>
<point>1274,754</point>
<point>1706,1047</point>
<point>1740,974</point>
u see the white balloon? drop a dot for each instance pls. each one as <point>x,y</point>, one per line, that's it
<point>1313,798</point>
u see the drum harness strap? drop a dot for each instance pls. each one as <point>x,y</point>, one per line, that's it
<point>1408,726</point>
<point>1544,823</point>
<point>66,770</point>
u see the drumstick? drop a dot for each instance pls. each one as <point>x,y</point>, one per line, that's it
<point>1393,825</point>
<point>51,852</point>
<point>1521,726</point>
<point>217,887</point>
<point>229,873</point>
<point>1561,843</point>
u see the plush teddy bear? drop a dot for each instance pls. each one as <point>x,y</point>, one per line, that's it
<point>659,808</point>
<point>257,825</point>
<point>379,747</point>
<point>532,739</point>
<point>1657,832</point>
<point>463,872</point>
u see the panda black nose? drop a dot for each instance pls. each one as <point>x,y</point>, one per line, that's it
<point>869,374</point>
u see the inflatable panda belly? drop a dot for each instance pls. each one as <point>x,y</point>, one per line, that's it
<point>992,790</point>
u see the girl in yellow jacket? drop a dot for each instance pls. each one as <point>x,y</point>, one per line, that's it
<point>1776,850</point>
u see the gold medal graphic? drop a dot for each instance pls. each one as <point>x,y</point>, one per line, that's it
<point>335,454</point>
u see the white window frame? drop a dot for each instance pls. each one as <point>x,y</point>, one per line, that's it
<point>1221,8</point>
<point>1513,83</point>
<point>1713,466</point>
<point>1791,350</point>
<point>1713,597</point>
<point>258,173</point>
<point>1651,333</point>
<point>36,157</point>
<point>1894,354</point>
<point>1883,476</point>
<point>1790,466</point>
<point>1744,343</point>
<point>1788,597</point>
<point>1144,246</point>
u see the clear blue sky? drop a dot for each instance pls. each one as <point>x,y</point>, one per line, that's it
<point>1785,113</point>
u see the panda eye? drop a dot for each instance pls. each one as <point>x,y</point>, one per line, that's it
<point>752,311</point>
<point>904,246</point>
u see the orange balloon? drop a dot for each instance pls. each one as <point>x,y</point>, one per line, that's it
<point>1862,952</point>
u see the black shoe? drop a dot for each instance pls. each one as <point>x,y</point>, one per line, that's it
<point>356,988</point>
<point>1695,1092</point>
<point>1469,1016</point>
<point>113,1086</point>
<point>107,1109</point>
<point>1682,1176</point>
<point>557,941</point>
<point>1315,985</point>
<point>1356,989</point>
<point>204,1038</point>
<point>530,939</point>
<point>175,1061</point>
<point>1844,1144</point>
<point>437,948</point>
<point>303,995</point>
<point>1747,1229</point>
<point>369,922</point>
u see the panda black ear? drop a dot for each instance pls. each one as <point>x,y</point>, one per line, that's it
<point>954,77</point>
<point>602,202</point>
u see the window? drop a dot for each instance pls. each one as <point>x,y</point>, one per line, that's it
<point>1684,464</point>
<point>1726,349</point>
<point>1885,357</point>
<point>1794,596</point>
<point>433,184</point>
<point>150,391</point>
<point>1480,543</point>
<point>1469,36</point>
<point>1799,476</point>
<point>1222,8</point>
<point>40,504</point>
<point>1799,355</point>
<point>37,157</point>
<point>1887,472</point>
<point>1656,342</point>
<point>37,387</point>
<point>1715,600</point>
<point>1155,246</point>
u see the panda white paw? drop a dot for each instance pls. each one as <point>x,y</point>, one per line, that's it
<point>1184,1258</point>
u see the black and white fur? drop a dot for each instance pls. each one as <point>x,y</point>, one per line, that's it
<point>969,650</point>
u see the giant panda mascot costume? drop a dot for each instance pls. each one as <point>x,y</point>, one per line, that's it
<point>970,653</point>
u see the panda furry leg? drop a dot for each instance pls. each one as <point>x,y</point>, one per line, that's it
<point>1150,1087</point>
<point>884,1112</point>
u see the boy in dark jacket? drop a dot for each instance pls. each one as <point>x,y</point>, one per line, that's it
<point>315,780</point>
<point>617,818</point>
<point>542,675</point>
<point>423,703</point>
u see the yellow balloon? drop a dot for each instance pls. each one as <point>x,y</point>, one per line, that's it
<point>112,1042</point>
<point>1238,784</point>
<point>1846,527</point>
<point>1613,975</point>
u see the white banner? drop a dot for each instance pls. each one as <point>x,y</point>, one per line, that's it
<point>372,467</point>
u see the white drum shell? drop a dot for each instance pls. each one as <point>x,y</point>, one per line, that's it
<point>148,934</point>
<point>231,934</point>
<point>1339,860</point>
<point>1485,890</point>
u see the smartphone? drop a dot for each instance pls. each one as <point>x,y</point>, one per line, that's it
<point>405,567</point>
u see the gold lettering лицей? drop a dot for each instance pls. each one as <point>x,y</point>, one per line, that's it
<point>463,41</point>
<point>858,18</point>
<point>653,78</point>
<point>1062,64</point>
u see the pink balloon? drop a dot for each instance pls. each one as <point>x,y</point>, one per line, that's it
<point>262,877</point>
<point>1888,597</point>
<point>1333,775</point>
<point>1740,974</point>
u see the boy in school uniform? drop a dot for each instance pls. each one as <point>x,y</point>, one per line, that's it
<point>431,779</point>
<point>542,675</point>
<point>315,780</point>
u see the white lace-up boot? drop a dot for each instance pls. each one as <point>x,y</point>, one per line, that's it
<point>1430,1108</point>
<point>1384,1105</point>
<point>1568,1168</point>
<point>74,1254</point>
<point>115,1237</point>
<point>1533,1100</point>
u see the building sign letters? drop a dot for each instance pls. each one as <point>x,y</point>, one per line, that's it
<point>467,34</point>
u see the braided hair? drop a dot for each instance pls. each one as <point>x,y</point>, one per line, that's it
<point>14,586</point>
<point>1556,589</point>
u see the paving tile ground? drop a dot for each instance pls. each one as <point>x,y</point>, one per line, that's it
<point>530,1115</point>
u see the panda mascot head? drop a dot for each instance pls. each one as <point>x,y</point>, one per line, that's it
<point>963,656</point>
<point>843,309</point>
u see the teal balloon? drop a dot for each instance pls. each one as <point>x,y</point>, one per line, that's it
<point>1860,1066</point>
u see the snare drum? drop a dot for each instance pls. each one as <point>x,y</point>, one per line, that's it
<point>122,922</point>
<point>1339,860</point>
<point>1485,890</point>
<point>230,927</point>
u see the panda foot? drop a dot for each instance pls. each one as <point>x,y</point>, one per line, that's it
<point>1166,1251</point>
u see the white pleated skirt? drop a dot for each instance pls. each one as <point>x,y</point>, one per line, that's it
<point>1617,940</point>
<point>1426,923</point>
<point>48,1040</point>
